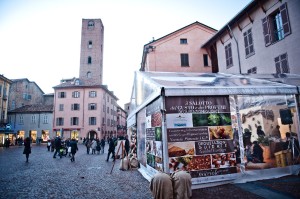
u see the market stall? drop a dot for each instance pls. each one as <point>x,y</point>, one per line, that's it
<point>212,124</point>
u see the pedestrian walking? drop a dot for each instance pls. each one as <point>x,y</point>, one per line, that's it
<point>27,148</point>
<point>7,142</point>
<point>98,147</point>
<point>52,144</point>
<point>57,143</point>
<point>88,145</point>
<point>102,145</point>
<point>48,144</point>
<point>111,149</point>
<point>127,145</point>
<point>68,147</point>
<point>93,146</point>
<point>74,149</point>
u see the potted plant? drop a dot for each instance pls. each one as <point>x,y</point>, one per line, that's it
<point>264,141</point>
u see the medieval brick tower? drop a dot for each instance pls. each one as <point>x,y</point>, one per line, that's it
<point>91,56</point>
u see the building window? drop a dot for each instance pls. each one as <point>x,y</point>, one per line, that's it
<point>107,109</point>
<point>183,41</point>
<point>74,121</point>
<point>89,60</point>
<point>33,119</point>
<point>205,59</point>
<point>103,108</point>
<point>76,94</point>
<point>93,94</point>
<point>45,119</point>
<point>59,121</point>
<point>21,119</point>
<point>103,121</point>
<point>92,121</point>
<point>13,104</point>
<point>75,107</point>
<point>252,70</point>
<point>281,64</point>
<point>107,98</point>
<point>26,96</point>
<point>276,26</point>
<point>90,44</point>
<point>89,75</point>
<point>248,41</point>
<point>77,82</point>
<point>228,55</point>
<point>112,122</point>
<point>91,24</point>
<point>61,94</point>
<point>61,107</point>
<point>108,120</point>
<point>92,106</point>
<point>184,59</point>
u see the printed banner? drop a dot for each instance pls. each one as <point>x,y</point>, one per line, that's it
<point>200,136</point>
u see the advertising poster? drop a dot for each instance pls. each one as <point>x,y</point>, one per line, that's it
<point>154,147</point>
<point>200,135</point>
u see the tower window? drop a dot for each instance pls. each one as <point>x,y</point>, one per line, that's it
<point>91,24</point>
<point>90,44</point>
<point>89,75</point>
<point>89,60</point>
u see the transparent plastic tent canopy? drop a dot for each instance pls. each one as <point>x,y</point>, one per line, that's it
<point>149,85</point>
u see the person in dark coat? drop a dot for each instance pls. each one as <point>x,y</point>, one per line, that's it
<point>127,145</point>
<point>27,148</point>
<point>260,132</point>
<point>74,149</point>
<point>111,149</point>
<point>257,153</point>
<point>57,143</point>
<point>102,145</point>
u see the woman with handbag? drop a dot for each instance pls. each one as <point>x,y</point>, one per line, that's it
<point>27,148</point>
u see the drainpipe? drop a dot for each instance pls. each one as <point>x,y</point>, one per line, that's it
<point>237,46</point>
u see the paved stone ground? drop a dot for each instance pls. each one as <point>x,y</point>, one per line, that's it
<point>44,177</point>
<point>89,177</point>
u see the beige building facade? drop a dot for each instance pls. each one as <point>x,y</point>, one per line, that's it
<point>25,92</point>
<point>260,39</point>
<point>5,131</point>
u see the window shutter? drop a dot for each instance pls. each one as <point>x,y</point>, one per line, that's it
<point>266,31</point>
<point>277,65</point>
<point>285,19</point>
<point>284,63</point>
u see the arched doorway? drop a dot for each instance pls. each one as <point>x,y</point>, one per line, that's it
<point>92,135</point>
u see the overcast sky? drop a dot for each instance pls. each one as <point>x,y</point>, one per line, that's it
<point>40,39</point>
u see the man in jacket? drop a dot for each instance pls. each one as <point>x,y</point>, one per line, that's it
<point>111,149</point>
<point>57,144</point>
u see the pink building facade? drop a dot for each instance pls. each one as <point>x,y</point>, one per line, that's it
<point>83,107</point>
<point>179,51</point>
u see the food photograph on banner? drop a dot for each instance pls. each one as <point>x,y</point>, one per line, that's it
<point>154,147</point>
<point>200,135</point>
